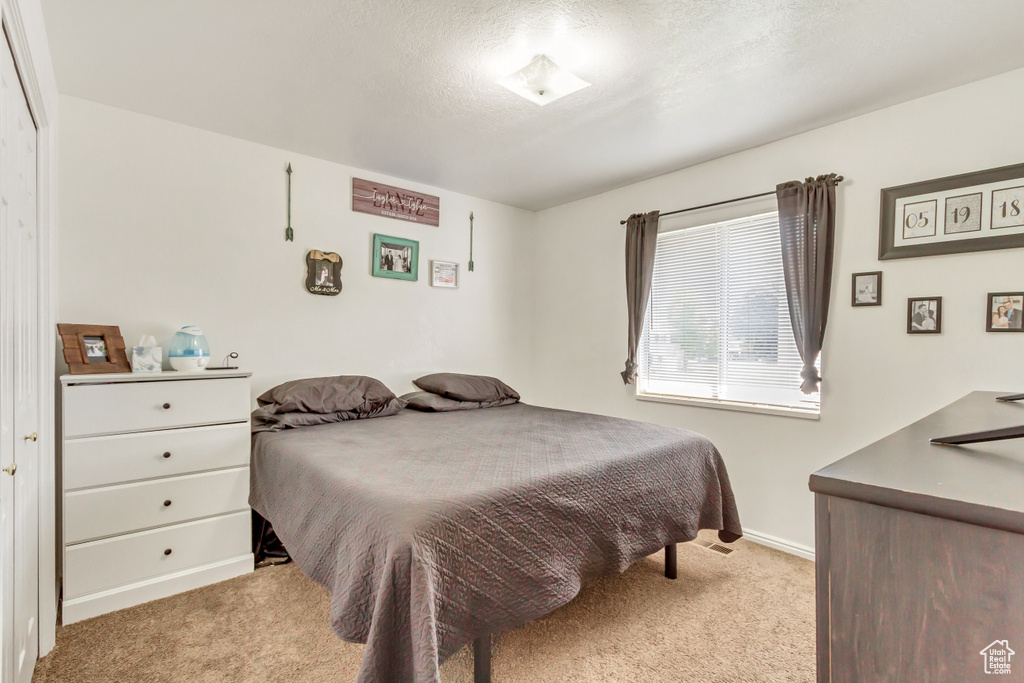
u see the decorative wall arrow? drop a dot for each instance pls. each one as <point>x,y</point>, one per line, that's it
<point>288,233</point>
<point>471,241</point>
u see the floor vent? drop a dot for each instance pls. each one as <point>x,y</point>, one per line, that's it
<point>714,547</point>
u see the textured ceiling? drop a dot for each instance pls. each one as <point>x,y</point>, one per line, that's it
<point>406,87</point>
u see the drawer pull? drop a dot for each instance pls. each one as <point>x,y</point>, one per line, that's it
<point>167,503</point>
<point>167,454</point>
<point>167,552</point>
<point>167,406</point>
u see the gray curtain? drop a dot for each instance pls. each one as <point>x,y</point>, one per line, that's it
<point>641,241</point>
<point>807,223</point>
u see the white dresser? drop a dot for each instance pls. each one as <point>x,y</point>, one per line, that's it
<point>155,477</point>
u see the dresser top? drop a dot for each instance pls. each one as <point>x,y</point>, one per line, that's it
<point>169,375</point>
<point>980,483</point>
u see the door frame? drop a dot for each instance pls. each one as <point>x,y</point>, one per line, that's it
<point>26,33</point>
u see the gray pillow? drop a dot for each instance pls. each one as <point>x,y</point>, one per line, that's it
<point>466,387</point>
<point>319,400</point>
<point>426,401</point>
<point>327,395</point>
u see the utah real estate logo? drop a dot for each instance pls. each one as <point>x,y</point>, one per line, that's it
<point>997,657</point>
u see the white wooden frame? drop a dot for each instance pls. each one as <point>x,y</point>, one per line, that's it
<point>26,33</point>
<point>433,274</point>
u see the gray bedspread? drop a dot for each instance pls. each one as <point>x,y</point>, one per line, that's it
<point>428,529</point>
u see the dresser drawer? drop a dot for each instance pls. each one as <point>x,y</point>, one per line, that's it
<point>113,562</point>
<point>94,513</point>
<point>91,409</point>
<point>103,460</point>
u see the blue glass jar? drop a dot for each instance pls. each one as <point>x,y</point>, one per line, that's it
<point>189,350</point>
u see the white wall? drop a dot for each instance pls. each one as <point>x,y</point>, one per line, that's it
<point>164,225</point>
<point>877,378</point>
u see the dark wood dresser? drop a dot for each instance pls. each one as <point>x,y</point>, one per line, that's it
<point>920,553</point>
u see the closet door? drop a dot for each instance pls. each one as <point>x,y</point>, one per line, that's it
<point>19,324</point>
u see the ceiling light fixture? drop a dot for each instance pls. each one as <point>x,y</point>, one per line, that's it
<point>542,81</point>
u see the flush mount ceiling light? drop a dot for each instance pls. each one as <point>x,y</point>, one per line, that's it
<point>542,81</point>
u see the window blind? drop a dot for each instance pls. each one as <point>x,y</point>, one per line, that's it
<point>717,326</point>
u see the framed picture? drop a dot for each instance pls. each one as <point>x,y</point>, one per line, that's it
<point>963,214</point>
<point>924,315</point>
<point>444,274</point>
<point>867,289</point>
<point>969,212</point>
<point>1004,312</point>
<point>396,258</point>
<point>323,273</point>
<point>93,349</point>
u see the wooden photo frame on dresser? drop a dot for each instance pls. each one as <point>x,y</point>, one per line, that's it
<point>93,349</point>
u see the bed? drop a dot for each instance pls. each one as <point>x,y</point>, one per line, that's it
<point>434,530</point>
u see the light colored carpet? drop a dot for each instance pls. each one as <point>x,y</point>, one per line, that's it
<point>745,617</point>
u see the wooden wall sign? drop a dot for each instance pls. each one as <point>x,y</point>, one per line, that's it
<point>323,273</point>
<point>93,349</point>
<point>394,202</point>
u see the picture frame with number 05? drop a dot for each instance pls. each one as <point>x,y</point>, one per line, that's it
<point>963,213</point>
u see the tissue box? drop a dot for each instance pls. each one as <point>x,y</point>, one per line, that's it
<point>147,358</point>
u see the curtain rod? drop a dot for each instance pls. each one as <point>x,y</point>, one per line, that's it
<point>839,179</point>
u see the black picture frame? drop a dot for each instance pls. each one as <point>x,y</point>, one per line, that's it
<point>878,289</point>
<point>887,248</point>
<point>912,303</point>
<point>1016,325</point>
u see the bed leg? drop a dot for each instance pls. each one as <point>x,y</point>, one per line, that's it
<point>482,659</point>
<point>670,562</point>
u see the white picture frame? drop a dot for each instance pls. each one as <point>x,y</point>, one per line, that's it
<point>444,274</point>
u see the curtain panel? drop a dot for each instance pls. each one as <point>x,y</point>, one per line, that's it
<point>807,224</point>
<point>641,242</point>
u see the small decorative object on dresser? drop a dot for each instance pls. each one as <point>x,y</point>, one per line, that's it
<point>395,257</point>
<point>323,273</point>
<point>155,472</point>
<point>1004,311</point>
<point>147,356</point>
<point>924,315</point>
<point>867,289</point>
<point>93,349</point>
<point>444,274</point>
<point>189,352</point>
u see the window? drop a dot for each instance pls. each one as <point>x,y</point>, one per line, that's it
<point>717,327</point>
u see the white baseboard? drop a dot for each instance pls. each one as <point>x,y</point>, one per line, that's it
<point>803,551</point>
